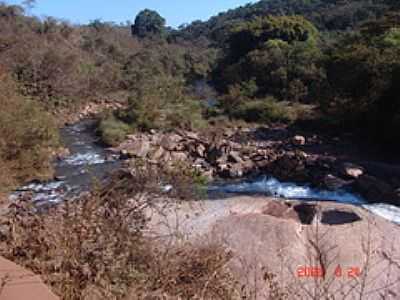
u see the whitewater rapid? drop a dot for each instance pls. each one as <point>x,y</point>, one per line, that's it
<point>89,161</point>
<point>272,187</point>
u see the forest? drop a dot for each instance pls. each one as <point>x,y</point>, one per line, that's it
<point>264,59</point>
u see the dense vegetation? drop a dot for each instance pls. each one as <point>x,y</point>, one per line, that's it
<point>266,60</point>
<point>329,16</point>
<point>64,65</point>
<point>275,61</point>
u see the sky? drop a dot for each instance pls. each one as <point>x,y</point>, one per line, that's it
<point>176,12</point>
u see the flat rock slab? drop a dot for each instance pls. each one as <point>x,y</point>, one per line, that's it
<point>16,283</point>
<point>290,238</point>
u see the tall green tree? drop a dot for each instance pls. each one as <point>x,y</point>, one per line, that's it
<point>280,54</point>
<point>364,76</point>
<point>149,23</point>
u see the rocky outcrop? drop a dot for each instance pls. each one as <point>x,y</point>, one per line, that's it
<point>230,156</point>
<point>234,153</point>
<point>352,171</point>
<point>88,111</point>
<point>224,158</point>
<point>284,237</point>
<point>376,190</point>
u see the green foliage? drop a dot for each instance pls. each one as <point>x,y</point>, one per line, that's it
<point>279,54</point>
<point>153,101</point>
<point>162,59</point>
<point>161,102</point>
<point>367,96</point>
<point>391,39</point>
<point>238,103</point>
<point>326,15</point>
<point>262,111</point>
<point>250,35</point>
<point>112,130</point>
<point>149,23</point>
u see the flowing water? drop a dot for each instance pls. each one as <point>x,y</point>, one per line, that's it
<point>272,187</point>
<point>88,162</point>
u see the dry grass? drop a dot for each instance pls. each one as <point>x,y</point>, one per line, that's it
<point>188,272</point>
<point>27,134</point>
<point>95,247</point>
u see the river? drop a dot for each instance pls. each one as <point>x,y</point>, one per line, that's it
<point>89,162</point>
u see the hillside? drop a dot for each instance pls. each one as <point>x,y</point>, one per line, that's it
<point>123,146</point>
<point>326,15</point>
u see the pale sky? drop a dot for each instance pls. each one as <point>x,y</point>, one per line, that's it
<point>176,12</point>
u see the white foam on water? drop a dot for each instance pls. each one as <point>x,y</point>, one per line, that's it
<point>386,211</point>
<point>167,188</point>
<point>88,158</point>
<point>52,197</point>
<point>53,191</point>
<point>274,187</point>
<point>289,190</point>
<point>42,187</point>
<point>78,127</point>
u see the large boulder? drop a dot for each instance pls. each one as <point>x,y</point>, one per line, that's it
<point>374,189</point>
<point>284,238</point>
<point>299,140</point>
<point>290,166</point>
<point>351,170</point>
<point>157,154</point>
<point>334,183</point>
<point>172,142</point>
<point>235,157</point>
<point>137,149</point>
<point>179,156</point>
<point>201,150</point>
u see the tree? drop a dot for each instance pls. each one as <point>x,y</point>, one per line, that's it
<point>368,96</point>
<point>279,53</point>
<point>149,23</point>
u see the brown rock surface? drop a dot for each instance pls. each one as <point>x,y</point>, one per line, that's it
<point>299,140</point>
<point>373,188</point>
<point>267,235</point>
<point>279,152</point>
<point>20,284</point>
<point>352,170</point>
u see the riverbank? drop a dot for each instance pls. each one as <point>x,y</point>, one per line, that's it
<point>277,161</point>
<point>84,162</point>
<point>322,161</point>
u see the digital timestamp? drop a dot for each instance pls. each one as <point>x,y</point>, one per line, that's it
<point>319,272</point>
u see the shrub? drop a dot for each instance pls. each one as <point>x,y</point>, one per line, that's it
<point>113,131</point>
<point>187,115</point>
<point>95,247</point>
<point>160,103</point>
<point>264,111</point>
<point>27,135</point>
